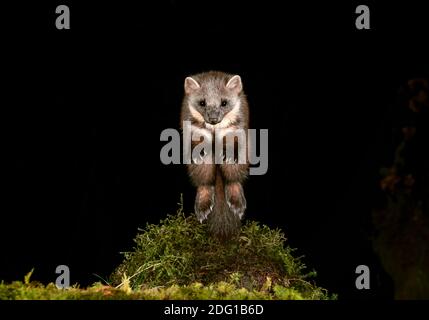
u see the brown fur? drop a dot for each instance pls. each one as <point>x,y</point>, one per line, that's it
<point>220,197</point>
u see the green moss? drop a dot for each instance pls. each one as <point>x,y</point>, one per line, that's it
<point>178,251</point>
<point>176,259</point>
<point>195,291</point>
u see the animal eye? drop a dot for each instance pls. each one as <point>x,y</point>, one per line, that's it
<point>224,103</point>
<point>202,103</point>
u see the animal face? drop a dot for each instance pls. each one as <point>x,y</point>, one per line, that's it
<point>213,96</point>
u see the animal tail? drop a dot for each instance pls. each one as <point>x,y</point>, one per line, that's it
<point>222,222</point>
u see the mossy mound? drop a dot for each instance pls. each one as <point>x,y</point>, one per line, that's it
<point>177,260</point>
<point>179,251</point>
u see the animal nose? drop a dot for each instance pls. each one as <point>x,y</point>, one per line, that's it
<point>213,120</point>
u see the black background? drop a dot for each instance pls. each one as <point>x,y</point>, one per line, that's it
<point>84,109</point>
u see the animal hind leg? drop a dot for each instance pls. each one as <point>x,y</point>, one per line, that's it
<point>204,202</point>
<point>235,198</point>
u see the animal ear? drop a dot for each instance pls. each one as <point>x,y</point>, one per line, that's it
<point>235,84</point>
<point>191,85</point>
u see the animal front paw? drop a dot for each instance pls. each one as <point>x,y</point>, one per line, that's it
<point>230,160</point>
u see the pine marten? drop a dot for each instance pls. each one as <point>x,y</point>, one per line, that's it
<point>215,102</point>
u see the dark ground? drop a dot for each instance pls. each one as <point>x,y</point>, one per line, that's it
<point>84,108</point>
